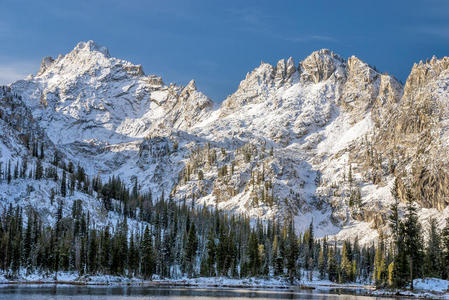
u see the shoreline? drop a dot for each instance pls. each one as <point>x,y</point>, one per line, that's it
<point>248,284</point>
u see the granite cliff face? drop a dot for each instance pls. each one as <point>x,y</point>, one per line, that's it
<point>320,140</point>
<point>412,135</point>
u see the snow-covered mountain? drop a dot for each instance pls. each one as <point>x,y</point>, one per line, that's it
<point>321,140</point>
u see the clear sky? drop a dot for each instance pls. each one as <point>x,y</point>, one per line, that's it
<point>218,42</point>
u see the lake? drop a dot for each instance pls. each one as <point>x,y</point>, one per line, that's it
<point>60,292</point>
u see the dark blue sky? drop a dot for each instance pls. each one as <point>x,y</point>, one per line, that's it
<point>218,42</point>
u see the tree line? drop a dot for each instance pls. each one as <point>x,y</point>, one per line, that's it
<point>174,239</point>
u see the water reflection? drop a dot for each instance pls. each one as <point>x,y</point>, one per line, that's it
<point>59,292</point>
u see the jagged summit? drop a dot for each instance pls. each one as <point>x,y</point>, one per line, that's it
<point>320,65</point>
<point>105,98</point>
<point>87,58</point>
<point>91,46</point>
<point>191,85</point>
<point>83,53</point>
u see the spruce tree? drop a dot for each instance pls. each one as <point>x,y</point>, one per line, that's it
<point>39,170</point>
<point>211,253</point>
<point>253,254</point>
<point>92,252</point>
<point>8,172</point>
<point>445,252</point>
<point>41,154</point>
<point>132,256</point>
<point>309,248</point>
<point>292,253</point>
<point>432,260</point>
<point>332,269</point>
<point>322,263</point>
<point>412,240</point>
<point>394,220</point>
<point>105,250</point>
<point>380,273</point>
<point>345,265</point>
<point>147,260</point>
<point>192,246</point>
<point>63,184</point>
<point>398,270</point>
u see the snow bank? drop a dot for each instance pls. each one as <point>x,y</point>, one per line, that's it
<point>431,284</point>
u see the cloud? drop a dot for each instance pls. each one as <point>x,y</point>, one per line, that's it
<point>11,71</point>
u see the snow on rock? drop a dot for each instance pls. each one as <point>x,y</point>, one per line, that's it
<point>431,284</point>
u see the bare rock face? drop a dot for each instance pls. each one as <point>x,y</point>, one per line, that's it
<point>18,128</point>
<point>254,88</point>
<point>410,140</point>
<point>423,73</point>
<point>320,65</point>
<point>45,64</point>
<point>365,88</point>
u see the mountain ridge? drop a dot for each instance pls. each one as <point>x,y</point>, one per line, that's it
<point>282,144</point>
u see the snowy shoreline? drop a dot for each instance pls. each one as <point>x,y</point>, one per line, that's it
<point>424,288</point>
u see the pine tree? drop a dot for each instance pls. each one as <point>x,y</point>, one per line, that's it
<point>432,260</point>
<point>345,265</point>
<point>398,270</point>
<point>27,243</point>
<point>132,257</point>
<point>82,258</point>
<point>192,245</point>
<point>105,250</point>
<point>39,170</point>
<point>63,184</point>
<point>41,155</point>
<point>322,263</point>
<point>445,252</point>
<point>23,170</point>
<point>412,240</point>
<point>147,263</point>
<point>92,252</point>
<point>379,264</point>
<point>8,172</point>
<point>394,221</point>
<point>332,265</point>
<point>292,253</point>
<point>253,254</point>
<point>211,253</point>
<point>309,248</point>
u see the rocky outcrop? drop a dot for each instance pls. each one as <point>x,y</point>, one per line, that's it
<point>321,65</point>
<point>45,64</point>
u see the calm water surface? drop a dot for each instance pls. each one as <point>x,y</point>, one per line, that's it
<point>29,292</point>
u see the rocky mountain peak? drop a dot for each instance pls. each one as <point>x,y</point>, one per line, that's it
<point>358,68</point>
<point>91,46</point>
<point>86,57</point>
<point>320,65</point>
<point>191,86</point>
<point>45,64</point>
<point>284,70</point>
<point>426,72</point>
